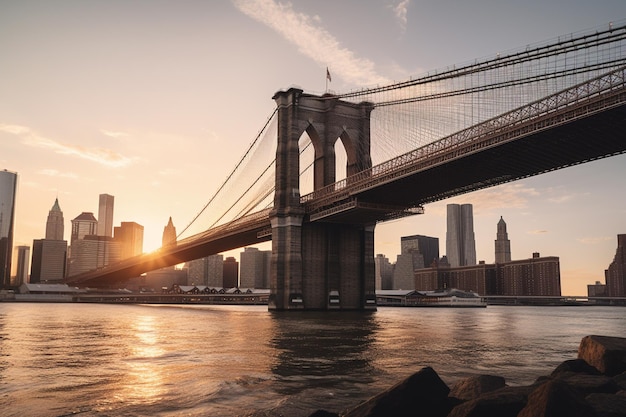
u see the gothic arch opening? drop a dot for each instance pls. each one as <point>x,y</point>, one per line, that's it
<point>341,161</point>
<point>307,160</point>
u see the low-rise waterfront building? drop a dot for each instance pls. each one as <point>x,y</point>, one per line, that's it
<point>536,276</point>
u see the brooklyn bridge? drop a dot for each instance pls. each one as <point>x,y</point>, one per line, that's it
<point>442,134</point>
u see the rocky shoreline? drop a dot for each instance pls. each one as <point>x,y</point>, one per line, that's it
<point>592,385</point>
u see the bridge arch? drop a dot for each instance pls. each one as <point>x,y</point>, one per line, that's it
<point>327,166</point>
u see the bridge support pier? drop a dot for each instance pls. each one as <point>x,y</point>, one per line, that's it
<point>338,271</point>
<point>319,265</point>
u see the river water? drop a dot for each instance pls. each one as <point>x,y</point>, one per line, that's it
<point>148,360</point>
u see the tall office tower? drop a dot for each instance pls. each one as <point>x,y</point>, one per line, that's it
<point>50,254</point>
<point>460,244</point>
<point>427,246</point>
<point>417,252</point>
<point>197,271</point>
<point>105,215</point>
<point>254,268</point>
<point>54,224</point>
<point>92,252</point>
<point>82,259</point>
<point>129,235</point>
<point>169,234</point>
<point>384,272</point>
<point>85,224</point>
<point>615,275</point>
<point>207,271</point>
<point>21,259</point>
<point>215,270</point>
<point>231,273</point>
<point>503,244</point>
<point>49,261</point>
<point>8,191</point>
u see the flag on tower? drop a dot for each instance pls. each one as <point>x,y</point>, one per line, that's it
<point>328,75</point>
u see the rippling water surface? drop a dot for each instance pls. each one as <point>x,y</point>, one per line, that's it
<point>136,360</point>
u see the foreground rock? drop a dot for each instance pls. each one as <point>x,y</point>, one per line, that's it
<point>606,354</point>
<point>594,385</point>
<point>423,391</point>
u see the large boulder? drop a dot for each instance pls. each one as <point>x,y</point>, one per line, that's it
<point>323,413</point>
<point>620,380</point>
<point>423,394</point>
<point>607,354</point>
<point>579,366</point>
<point>505,402</point>
<point>607,405</point>
<point>474,387</point>
<point>556,399</point>
<point>588,384</point>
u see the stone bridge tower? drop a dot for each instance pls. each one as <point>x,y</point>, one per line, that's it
<point>318,265</point>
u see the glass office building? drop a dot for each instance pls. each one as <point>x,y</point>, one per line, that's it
<point>8,189</point>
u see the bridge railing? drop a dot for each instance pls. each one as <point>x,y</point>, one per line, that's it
<point>575,99</point>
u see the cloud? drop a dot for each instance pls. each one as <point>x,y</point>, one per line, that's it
<point>114,134</point>
<point>511,195</point>
<point>56,173</point>
<point>312,40</point>
<point>401,10</point>
<point>101,156</point>
<point>537,232</point>
<point>14,129</point>
<point>591,240</point>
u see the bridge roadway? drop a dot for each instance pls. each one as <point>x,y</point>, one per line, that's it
<point>569,128</point>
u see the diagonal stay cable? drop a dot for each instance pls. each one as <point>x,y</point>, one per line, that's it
<point>269,120</point>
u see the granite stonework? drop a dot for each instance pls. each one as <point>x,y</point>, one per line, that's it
<point>593,385</point>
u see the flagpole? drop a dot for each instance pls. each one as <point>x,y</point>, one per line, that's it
<point>328,78</point>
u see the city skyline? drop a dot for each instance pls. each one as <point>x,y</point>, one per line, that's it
<point>144,127</point>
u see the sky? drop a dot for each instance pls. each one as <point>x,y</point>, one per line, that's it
<point>155,101</point>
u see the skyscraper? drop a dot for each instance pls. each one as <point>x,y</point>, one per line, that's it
<point>615,275</point>
<point>254,268</point>
<point>8,190</point>
<point>231,273</point>
<point>206,271</point>
<point>384,272</point>
<point>427,246</point>
<point>49,261</point>
<point>50,254</point>
<point>54,224</point>
<point>460,244</point>
<point>21,261</point>
<point>503,244</point>
<point>105,215</point>
<point>85,224</point>
<point>169,234</point>
<point>130,237</point>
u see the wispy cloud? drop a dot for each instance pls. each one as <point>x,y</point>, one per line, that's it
<point>401,10</point>
<point>101,156</point>
<point>312,40</point>
<point>14,129</point>
<point>56,173</point>
<point>594,240</point>
<point>114,134</point>
<point>537,232</point>
<point>512,195</point>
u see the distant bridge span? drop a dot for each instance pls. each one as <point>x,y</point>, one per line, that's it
<point>578,125</point>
